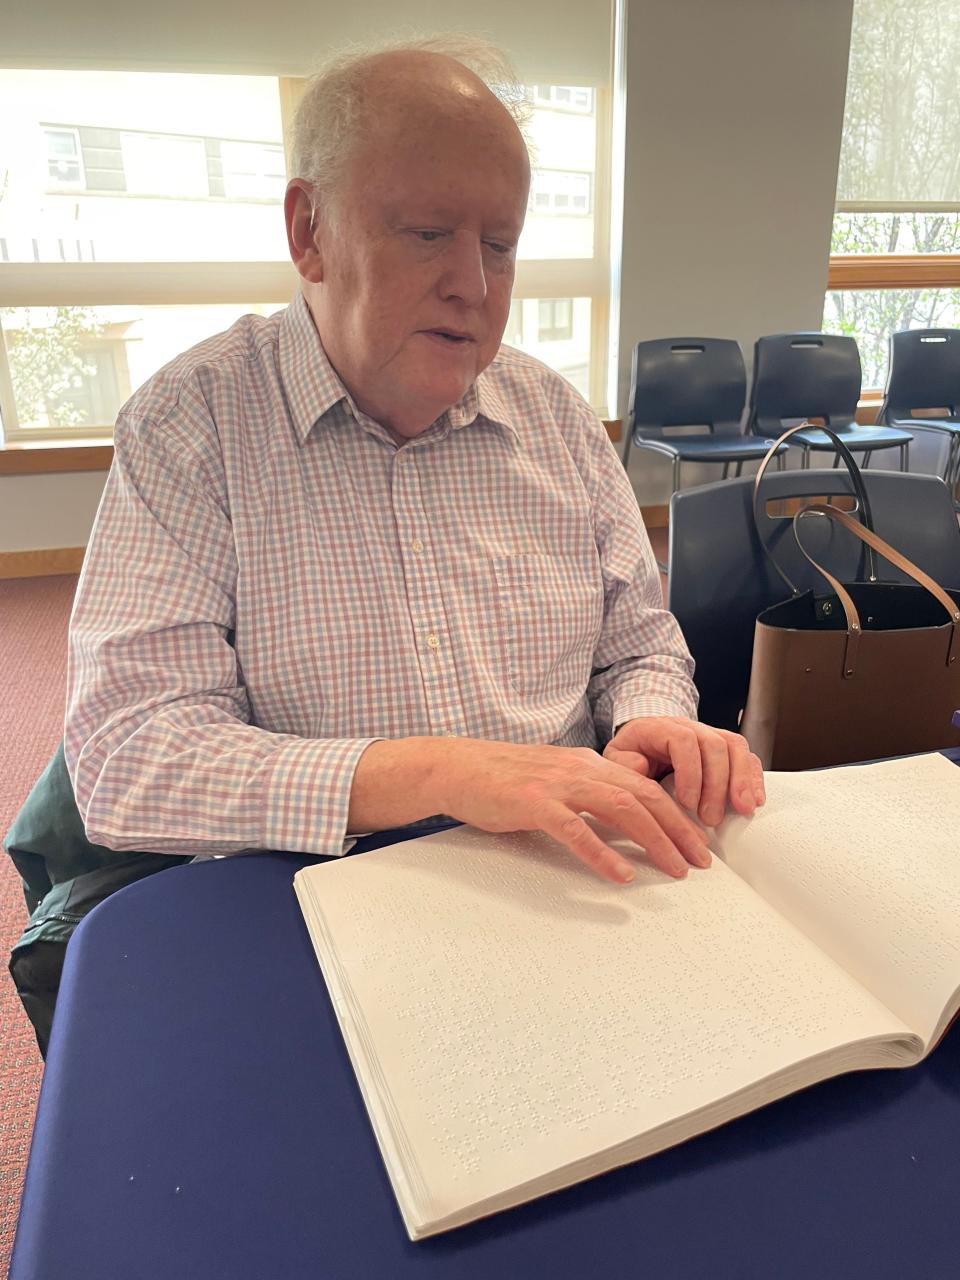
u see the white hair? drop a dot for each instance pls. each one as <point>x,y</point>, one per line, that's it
<point>329,122</point>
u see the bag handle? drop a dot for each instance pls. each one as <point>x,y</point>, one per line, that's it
<point>869,537</point>
<point>859,489</point>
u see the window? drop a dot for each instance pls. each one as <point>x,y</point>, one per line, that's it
<point>563,97</point>
<point>555,320</point>
<point>149,161</point>
<point>560,191</point>
<point>72,368</point>
<point>253,170</point>
<point>64,166</point>
<point>152,220</point>
<point>158,193</point>
<point>558,331</point>
<point>157,164</point>
<point>513,333</point>
<point>895,256</point>
<point>564,250</point>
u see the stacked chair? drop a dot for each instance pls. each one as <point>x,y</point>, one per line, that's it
<point>687,397</point>
<point>924,375</point>
<point>815,375</point>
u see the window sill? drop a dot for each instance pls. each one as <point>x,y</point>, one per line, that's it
<point>40,457</point>
<point>869,407</point>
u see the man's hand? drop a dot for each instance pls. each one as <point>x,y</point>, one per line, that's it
<point>711,766</point>
<point>500,786</point>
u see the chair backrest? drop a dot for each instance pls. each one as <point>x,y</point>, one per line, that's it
<point>720,578</point>
<point>804,375</point>
<point>687,382</point>
<point>923,373</point>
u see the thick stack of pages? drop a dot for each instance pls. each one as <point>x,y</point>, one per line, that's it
<point>517,1025</point>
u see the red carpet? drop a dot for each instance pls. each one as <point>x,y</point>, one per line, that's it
<point>33,630</point>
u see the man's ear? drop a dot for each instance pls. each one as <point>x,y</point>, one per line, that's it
<point>298,210</point>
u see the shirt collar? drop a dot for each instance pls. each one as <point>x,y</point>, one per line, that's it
<point>309,380</point>
<point>313,388</point>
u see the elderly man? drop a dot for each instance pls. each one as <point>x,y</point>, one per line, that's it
<point>357,565</point>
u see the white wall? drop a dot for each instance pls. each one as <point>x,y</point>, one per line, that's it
<point>734,114</point>
<point>48,511</point>
<point>556,41</point>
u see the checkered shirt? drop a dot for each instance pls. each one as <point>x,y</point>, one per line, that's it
<point>272,584</point>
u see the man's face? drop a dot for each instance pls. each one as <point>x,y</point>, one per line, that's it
<point>418,260</point>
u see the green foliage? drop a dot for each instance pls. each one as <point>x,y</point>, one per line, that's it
<point>871,315</point>
<point>47,364</point>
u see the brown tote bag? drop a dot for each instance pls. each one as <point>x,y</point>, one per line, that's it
<point>872,670</point>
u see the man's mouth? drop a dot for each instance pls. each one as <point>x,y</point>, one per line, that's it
<point>453,336</point>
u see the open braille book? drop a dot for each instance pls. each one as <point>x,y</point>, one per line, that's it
<point>517,1025</point>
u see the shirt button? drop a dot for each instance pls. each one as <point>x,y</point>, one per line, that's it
<point>417,544</point>
<point>433,641</point>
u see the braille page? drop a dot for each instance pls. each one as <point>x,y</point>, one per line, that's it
<point>866,861</point>
<point>517,1024</point>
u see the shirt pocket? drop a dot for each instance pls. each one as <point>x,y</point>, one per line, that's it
<point>551,615</point>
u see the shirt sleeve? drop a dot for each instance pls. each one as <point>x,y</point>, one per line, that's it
<point>642,666</point>
<point>158,739</point>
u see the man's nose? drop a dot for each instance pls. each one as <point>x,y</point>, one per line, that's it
<point>464,271</point>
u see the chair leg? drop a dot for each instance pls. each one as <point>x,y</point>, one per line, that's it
<point>836,461</point>
<point>781,460</point>
<point>905,457</point>
<point>866,459</point>
<point>726,471</point>
<point>739,469</point>
<point>805,458</point>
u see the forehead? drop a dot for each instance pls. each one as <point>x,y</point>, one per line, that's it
<point>448,160</point>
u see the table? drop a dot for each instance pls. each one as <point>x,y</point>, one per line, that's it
<point>199,1119</point>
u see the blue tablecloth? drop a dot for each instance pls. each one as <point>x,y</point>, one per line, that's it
<point>199,1118</point>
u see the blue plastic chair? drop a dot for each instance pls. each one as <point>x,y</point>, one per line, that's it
<point>682,384</point>
<point>815,375</point>
<point>720,577</point>
<point>924,374</point>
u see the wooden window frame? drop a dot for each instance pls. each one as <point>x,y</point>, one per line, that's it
<point>891,270</point>
<point>894,271</point>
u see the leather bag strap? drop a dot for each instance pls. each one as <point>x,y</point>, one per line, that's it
<point>859,488</point>
<point>901,562</point>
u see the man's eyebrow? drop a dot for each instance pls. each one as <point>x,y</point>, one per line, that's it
<point>442,216</point>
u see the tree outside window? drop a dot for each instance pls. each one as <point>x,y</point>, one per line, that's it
<point>898,190</point>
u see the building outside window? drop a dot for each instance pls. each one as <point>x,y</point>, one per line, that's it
<point>564,97</point>
<point>141,212</point>
<point>555,322</point>
<point>561,191</point>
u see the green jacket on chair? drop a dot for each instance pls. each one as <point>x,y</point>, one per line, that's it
<point>64,877</point>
